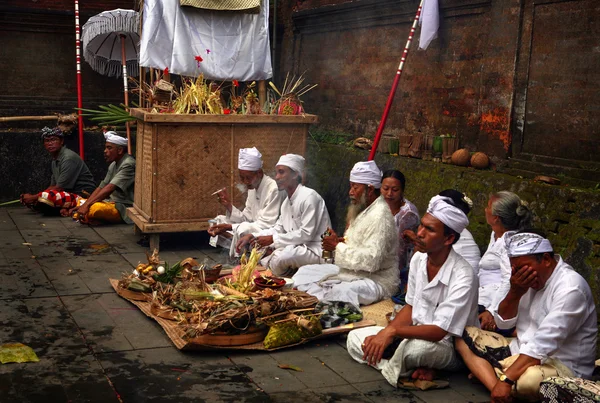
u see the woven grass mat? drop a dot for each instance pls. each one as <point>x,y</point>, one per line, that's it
<point>176,334</point>
<point>376,312</point>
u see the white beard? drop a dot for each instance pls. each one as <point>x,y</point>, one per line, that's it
<point>355,209</point>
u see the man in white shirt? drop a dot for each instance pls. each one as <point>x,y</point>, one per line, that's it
<point>262,204</point>
<point>296,237</point>
<point>554,312</point>
<point>441,300</point>
<point>366,259</point>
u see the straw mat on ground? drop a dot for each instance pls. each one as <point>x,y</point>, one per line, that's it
<point>376,312</point>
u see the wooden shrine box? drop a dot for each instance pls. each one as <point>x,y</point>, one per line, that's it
<point>182,159</point>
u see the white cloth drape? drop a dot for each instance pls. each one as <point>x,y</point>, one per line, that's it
<point>232,45</point>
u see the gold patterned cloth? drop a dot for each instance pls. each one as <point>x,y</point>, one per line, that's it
<point>248,6</point>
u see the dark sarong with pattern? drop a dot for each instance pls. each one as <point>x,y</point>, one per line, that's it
<point>569,390</point>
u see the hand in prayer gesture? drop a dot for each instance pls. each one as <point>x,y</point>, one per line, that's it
<point>224,199</point>
<point>487,321</point>
<point>218,229</point>
<point>374,346</point>
<point>522,279</point>
<point>330,241</point>
<point>501,393</point>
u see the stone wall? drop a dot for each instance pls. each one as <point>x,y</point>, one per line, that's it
<point>509,78</point>
<point>571,217</point>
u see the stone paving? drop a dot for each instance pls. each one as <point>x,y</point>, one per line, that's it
<point>96,347</point>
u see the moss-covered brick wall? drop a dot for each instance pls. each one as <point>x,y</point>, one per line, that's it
<point>570,216</point>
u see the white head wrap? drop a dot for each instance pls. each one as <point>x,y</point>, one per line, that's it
<point>249,159</point>
<point>293,161</point>
<point>527,243</point>
<point>114,138</point>
<point>367,173</point>
<point>453,217</point>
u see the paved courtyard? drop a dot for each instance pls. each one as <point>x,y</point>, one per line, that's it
<point>96,347</point>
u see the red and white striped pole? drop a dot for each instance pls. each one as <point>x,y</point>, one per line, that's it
<point>390,99</point>
<point>78,59</point>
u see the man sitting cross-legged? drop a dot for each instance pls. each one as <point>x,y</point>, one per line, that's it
<point>554,312</point>
<point>366,259</point>
<point>71,178</point>
<point>262,204</point>
<point>441,300</point>
<point>295,239</point>
<point>109,202</point>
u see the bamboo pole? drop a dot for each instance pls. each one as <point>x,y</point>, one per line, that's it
<point>79,96</point>
<point>390,99</point>
<point>262,93</point>
<point>125,90</point>
<point>21,118</point>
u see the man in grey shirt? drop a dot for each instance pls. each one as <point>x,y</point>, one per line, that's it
<point>109,202</point>
<point>71,177</point>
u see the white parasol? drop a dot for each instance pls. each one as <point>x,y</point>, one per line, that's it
<point>110,45</point>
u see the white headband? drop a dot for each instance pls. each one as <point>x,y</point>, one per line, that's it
<point>367,173</point>
<point>293,161</point>
<point>249,159</point>
<point>453,217</point>
<point>527,243</point>
<point>114,138</point>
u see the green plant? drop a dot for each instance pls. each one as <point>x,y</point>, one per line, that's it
<point>108,115</point>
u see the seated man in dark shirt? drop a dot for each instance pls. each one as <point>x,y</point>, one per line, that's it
<point>71,177</point>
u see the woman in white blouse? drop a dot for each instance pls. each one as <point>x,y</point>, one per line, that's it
<point>505,213</point>
<point>406,217</point>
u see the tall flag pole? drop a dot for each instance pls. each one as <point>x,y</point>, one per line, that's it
<point>78,60</point>
<point>390,99</point>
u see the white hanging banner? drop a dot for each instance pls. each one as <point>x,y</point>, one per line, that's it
<point>220,45</point>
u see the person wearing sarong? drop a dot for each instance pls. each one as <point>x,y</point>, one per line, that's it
<point>505,213</point>
<point>295,239</point>
<point>109,202</point>
<point>366,258</point>
<point>553,309</point>
<point>406,217</point>
<point>441,301</point>
<point>262,204</point>
<point>70,179</point>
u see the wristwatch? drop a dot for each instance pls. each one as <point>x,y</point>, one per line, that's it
<point>504,378</point>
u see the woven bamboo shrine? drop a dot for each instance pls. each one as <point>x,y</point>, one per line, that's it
<point>182,159</point>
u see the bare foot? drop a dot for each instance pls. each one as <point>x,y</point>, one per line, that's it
<point>424,374</point>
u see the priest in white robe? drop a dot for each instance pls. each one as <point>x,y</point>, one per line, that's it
<point>262,203</point>
<point>441,300</point>
<point>295,239</point>
<point>366,260</point>
<point>553,309</point>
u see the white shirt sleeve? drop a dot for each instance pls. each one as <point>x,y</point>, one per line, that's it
<point>504,323</point>
<point>412,278</point>
<point>269,213</point>
<point>505,273</point>
<point>236,216</point>
<point>568,310</point>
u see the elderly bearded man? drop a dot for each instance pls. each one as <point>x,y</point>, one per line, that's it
<point>262,204</point>
<point>109,202</point>
<point>296,237</point>
<point>441,300</point>
<point>553,309</point>
<point>70,179</point>
<point>366,260</point>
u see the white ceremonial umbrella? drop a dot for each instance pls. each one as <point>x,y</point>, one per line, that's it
<point>111,46</point>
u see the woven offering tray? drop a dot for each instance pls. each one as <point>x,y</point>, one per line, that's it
<point>252,340</point>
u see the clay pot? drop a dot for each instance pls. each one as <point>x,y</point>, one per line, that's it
<point>480,161</point>
<point>461,157</point>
